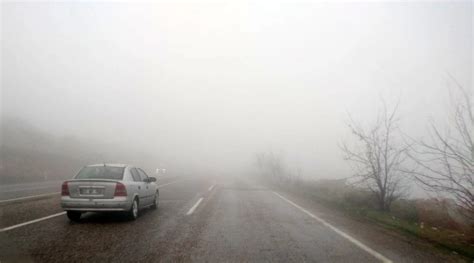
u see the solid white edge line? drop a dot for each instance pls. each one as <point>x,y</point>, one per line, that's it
<point>27,197</point>
<point>30,222</point>
<point>210,188</point>
<point>338,231</point>
<point>57,183</point>
<point>191,210</point>
<point>62,213</point>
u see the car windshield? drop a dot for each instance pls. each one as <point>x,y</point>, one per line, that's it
<point>101,172</point>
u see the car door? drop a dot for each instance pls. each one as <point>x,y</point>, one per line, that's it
<point>140,185</point>
<point>149,189</point>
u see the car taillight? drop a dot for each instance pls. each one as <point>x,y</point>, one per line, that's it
<point>120,190</point>
<point>64,189</point>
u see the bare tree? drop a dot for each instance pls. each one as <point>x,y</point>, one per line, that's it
<point>271,165</point>
<point>444,164</point>
<point>377,157</point>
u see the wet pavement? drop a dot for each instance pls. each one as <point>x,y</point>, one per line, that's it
<point>233,221</point>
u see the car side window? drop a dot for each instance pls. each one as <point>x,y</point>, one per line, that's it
<point>143,175</point>
<point>135,175</point>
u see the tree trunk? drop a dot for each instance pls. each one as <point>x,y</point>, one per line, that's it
<point>383,206</point>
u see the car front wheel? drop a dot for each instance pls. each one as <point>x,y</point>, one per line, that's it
<point>155,202</point>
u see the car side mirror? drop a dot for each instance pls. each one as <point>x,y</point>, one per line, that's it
<point>150,179</point>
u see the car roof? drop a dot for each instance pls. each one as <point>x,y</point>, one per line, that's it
<point>108,164</point>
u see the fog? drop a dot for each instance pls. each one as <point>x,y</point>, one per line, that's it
<point>207,85</point>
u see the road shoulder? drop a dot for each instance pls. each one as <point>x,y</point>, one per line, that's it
<point>397,246</point>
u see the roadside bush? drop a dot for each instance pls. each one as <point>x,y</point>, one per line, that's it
<point>438,213</point>
<point>405,209</point>
<point>359,198</point>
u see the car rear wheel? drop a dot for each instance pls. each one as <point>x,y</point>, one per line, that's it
<point>155,202</point>
<point>133,212</point>
<point>74,216</point>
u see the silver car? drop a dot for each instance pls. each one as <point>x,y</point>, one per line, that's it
<point>109,187</point>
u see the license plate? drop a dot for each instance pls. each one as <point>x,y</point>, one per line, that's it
<point>91,191</point>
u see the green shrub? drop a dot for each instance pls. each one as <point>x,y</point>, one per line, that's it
<point>405,209</point>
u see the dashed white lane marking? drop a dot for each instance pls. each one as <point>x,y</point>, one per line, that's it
<point>27,197</point>
<point>356,242</point>
<point>62,213</point>
<point>161,185</point>
<point>191,210</point>
<point>210,188</point>
<point>31,222</point>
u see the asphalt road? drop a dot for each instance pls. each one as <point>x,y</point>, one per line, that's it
<point>204,220</point>
<point>13,191</point>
